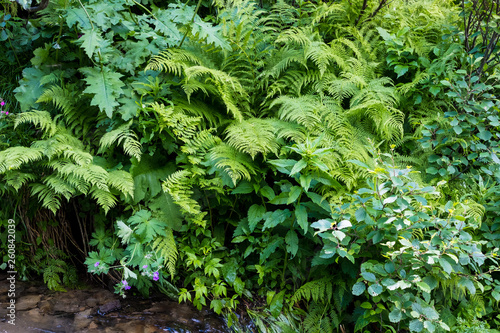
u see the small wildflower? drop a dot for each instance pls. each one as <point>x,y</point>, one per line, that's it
<point>6,113</point>
<point>2,103</point>
<point>125,285</point>
<point>145,266</point>
<point>96,264</point>
<point>156,276</point>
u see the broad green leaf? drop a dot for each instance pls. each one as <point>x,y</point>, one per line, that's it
<point>301,216</point>
<point>369,276</point>
<point>344,224</point>
<point>389,267</point>
<point>467,283</point>
<point>484,135</point>
<point>77,15</point>
<point>267,192</point>
<point>424,287</point>
<point>298,167</point>
<point>295,192</point>
<point>375,289</point>
<point>401,70</point>
<point>255,215</point>
<point>395,316</point>
<point>429,326</point>
<point>270,249</point>
<point>430,313</point>
<point>358,288</point>
<point>322,225</point>
<point>360,214</point>
<point>90,40</point>
<point>105,85</point>
<point>445,265</point>
<point>416,326</point>
<point>292,242</point>
<point>277,217</point>
<point>384,34</point>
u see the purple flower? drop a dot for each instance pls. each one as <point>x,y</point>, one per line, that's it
<point>2,103</point>
<point>125,285</point>
<point>96,264</point>
<point>6,113</point>
<point>145,266</point>
<point>156,276</point>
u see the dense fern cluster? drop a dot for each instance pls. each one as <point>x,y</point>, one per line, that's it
<point>267,152</point>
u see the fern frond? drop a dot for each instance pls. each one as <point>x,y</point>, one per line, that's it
<point>17,179</point>
<point>236,164</point>
<point>122,181</point>
<point>38,118</point>
<point>13,158</point>
<point>252,136</point>
<point>47,196</point>
<point>131,144</point>
<point>165,247</point>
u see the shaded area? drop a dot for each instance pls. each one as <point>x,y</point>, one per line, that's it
<point>99,310</point>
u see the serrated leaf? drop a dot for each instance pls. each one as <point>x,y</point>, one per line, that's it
<point>106,87</point>
<point>77,15</point>
<point>298,167</point>
<point>255,215</point>
<point>90,39</point>
<point>295,192</point>
<point>277,217</point>
<point>301,216</point>
<point>124,232</point>
<point>270,249</point>
<point>292,242</point>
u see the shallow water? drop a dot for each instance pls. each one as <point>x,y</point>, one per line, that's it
<point>98,310</point>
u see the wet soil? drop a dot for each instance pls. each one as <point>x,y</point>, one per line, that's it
<point>94,309</point>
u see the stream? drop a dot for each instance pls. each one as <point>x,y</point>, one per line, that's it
<point>95,309</point>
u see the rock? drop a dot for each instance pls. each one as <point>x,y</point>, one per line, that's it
<point>110,306</point>
<point>93,326</point>
<point>27,302</point>
<point>46,306</point>
<point>91,302</point>
<point>131,327</point>
<point>82,320</point>
<point>151,329</point>
<point>67,302</point>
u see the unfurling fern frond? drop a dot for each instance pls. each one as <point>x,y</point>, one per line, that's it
<point>165,247</point>
<point>131,144</point>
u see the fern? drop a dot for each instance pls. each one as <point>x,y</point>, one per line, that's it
<point>131,145</point>
<point>165,247</point>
